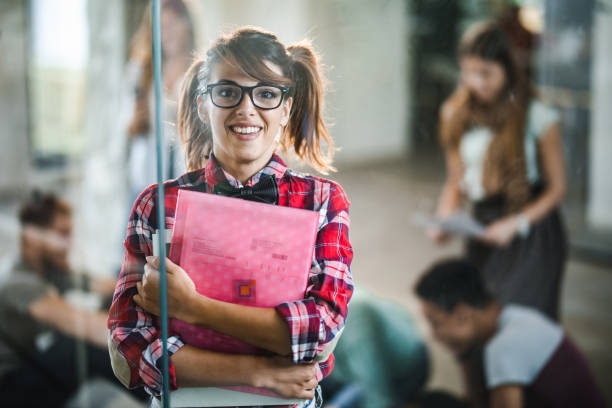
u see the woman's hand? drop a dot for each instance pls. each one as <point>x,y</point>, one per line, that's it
<point>181,290</point>
<point>437,235</point>
<point>285,378</point>
<point>501,232</point>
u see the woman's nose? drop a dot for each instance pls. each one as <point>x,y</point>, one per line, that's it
<point>246,106</point>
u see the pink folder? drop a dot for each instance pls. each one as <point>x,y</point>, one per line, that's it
<point>241,252</point>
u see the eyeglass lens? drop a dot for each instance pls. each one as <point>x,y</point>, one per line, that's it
<point>228,95</point>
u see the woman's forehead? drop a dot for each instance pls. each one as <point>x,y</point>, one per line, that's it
<point>474,61</point>
<point>223,70</point>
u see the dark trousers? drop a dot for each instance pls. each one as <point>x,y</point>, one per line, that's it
<point>50,378</point>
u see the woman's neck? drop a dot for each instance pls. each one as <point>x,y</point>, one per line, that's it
<point>242,171</point>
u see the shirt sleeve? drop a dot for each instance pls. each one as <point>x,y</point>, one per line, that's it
<point>505,366</point>
<point>20,291</point>
<point>315,321</point>
<point>134,333</point>
<point>541,118</point>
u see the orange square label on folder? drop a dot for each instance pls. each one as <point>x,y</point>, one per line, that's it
<point>244,291</point>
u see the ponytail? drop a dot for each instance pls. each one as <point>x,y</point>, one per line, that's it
<point>193,133</point>
<point>306,127</point>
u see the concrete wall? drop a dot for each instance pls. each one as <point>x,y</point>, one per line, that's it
<point>600,187</point>
<point>14,156</point>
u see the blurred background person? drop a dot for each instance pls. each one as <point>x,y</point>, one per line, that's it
<point>527,359</point>
<point>177,43</point>
<point>43,316</point>
<point>504,155</point>
<point>381,359</point>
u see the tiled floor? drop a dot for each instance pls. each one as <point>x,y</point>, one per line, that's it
<point>390,252</point>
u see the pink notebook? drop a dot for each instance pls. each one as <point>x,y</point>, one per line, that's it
<point>241,252</point>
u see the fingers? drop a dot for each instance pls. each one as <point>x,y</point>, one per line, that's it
<point>153,261</point>
<point>311,384</point>
<point>142,300</point>
<point>150,273</point>
<point>306,387</point>
<point>293,380</point>
<point>306,391</point>
<point>138,300</point>
<point>170,264</point>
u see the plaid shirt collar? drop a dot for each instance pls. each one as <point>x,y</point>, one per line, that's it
<point>215,174</point>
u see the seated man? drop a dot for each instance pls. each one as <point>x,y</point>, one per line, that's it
<point>38,326</point>
<point>381,359</point>
<point>526,359</point>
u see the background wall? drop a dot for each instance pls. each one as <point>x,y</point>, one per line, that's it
<point>14,158</point>
<point>600,187</point>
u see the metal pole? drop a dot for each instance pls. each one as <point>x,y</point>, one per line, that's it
<point>161,216</point>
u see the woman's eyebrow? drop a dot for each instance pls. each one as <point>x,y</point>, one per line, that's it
<point>226,81</point>
<point>229,81</point>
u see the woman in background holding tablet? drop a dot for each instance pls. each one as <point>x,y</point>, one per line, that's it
<point>247,98</point>
<point>504,153</point>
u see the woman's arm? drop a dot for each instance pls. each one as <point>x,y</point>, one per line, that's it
<point>550,149</point>
<point>197,368</point>
<point>553,168</point>
<point>75,322</point>
<point>301,328</point>
<point>261,327</point>
<point>135,340</point>
<point>451,196</point>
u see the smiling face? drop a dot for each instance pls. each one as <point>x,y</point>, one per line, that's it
<point>484,78</point>
<point>243,136</point>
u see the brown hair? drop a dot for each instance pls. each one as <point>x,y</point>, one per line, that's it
<point>505,167</point>
<point>141,51</point>
<point>41,208</point>
<point>248,49</point>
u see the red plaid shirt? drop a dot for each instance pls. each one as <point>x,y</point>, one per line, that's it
<point>313,322</point>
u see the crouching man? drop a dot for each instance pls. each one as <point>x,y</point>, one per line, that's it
<point>512,356</point>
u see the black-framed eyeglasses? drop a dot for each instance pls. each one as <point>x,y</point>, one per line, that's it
<point>229,95</point>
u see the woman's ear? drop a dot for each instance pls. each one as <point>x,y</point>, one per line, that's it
<point>202,112</point>
<point>286,106</point>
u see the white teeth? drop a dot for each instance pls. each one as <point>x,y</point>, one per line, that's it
<point>245,130</point>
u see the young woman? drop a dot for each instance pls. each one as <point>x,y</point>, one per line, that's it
<point>504,154</point>
<point>248,97</point>
<point>177,44</point>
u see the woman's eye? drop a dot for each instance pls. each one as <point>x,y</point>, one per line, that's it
<point>267,93</point>
<point>226,92</point>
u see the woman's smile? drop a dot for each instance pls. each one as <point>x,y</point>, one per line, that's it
<point>245,131</point>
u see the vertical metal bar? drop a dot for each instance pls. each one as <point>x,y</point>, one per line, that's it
<point>161,213</point>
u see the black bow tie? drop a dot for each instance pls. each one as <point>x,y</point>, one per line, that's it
<point>264,191</point>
